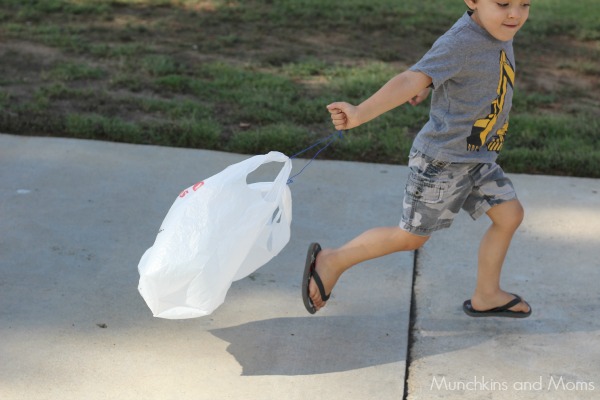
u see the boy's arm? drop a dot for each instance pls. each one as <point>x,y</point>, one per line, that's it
<point>420,97</point>
<point>396,91</point>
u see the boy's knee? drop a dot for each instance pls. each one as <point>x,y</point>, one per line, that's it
<point>508,215</point>
<point>520,213</point>
<point>416,242</point>
<point>517,214</point>
<point>406,241</point>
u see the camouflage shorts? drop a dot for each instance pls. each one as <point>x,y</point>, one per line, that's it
<point>437,190</point>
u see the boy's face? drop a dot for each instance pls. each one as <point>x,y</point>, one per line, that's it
<point>500,18</point>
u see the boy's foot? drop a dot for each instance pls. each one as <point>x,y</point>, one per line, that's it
<point>318,280</point>
<point>515,307</point>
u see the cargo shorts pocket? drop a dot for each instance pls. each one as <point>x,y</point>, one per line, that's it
<point>425,190</point>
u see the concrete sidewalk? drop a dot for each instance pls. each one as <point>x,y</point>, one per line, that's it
<point>554,263</point>
<point>76,216</point>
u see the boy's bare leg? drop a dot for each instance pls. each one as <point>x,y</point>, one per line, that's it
<point>506,218</point>
<point>377,242</point>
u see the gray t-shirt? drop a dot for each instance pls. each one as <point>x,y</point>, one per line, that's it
<point>473,75</point>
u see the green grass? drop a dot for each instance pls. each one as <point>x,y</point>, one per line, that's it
<point>254,76</point>
<point>555,17</point>
<point>72,71</point>
<point>99,127</point>
<point>288,139</point>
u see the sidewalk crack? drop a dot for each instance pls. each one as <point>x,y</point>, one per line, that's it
<point>411,323</point>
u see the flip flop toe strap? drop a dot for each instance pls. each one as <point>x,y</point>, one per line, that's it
<point>319,282</point>
<point>508,305</point>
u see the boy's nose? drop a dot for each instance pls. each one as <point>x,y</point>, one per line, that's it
<point>515,12</point>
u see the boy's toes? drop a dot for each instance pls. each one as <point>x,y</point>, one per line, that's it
<point>315,296</point>
<point>523,307</point>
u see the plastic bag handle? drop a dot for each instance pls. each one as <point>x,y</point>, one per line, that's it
<point>284,173</point>
<point>280,181</point>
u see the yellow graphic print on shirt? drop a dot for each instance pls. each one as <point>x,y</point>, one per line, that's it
<point>482,127</point>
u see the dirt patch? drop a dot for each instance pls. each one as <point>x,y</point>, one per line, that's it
<point>25,59</point>
<point>37,50</point>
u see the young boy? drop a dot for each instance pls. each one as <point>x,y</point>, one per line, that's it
<point>452,162</point>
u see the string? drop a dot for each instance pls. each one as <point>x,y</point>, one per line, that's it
<point>329,139</point>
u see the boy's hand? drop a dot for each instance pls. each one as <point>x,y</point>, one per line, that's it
<point>423,94</point>
<point>408,86</point>
<point>343,115</point>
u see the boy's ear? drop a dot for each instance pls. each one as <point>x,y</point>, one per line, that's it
<point>472,4</point>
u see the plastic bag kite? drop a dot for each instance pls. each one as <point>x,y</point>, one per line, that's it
<point>217,231</point>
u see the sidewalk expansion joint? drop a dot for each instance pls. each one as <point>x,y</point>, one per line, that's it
<point>411,323</point>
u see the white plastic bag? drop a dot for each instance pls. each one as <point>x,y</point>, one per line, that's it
<point>218,231</point>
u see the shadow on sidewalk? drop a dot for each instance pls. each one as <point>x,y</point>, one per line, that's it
<point>315,345</point>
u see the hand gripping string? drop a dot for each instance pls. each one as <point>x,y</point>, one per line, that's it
<point>329,139</point>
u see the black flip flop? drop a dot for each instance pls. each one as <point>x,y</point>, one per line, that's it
<point>311,272</point>
<point>502,311</point>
